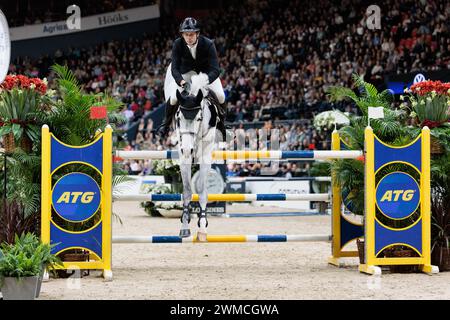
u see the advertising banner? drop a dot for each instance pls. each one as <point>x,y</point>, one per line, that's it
<point>104,20</point>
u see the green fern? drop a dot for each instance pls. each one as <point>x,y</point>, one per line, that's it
<point>70,118</point>
<point>368,95</point>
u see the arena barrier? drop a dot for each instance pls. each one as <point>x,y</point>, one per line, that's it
<point>77,198</point>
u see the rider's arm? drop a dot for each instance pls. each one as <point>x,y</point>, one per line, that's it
<point>214,69</point>
<point>176,57</point>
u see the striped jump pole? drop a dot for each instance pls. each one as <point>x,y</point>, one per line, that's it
<point>267,178</point>
<point>248,155</point>
<point>228,197</point>
<point>223,238</point>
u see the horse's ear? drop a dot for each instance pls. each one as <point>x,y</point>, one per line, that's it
<point>179,97</point>
<point>199,97</point>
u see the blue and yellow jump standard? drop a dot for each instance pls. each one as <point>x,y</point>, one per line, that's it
<point>76,198</point>
<point>397,196</point>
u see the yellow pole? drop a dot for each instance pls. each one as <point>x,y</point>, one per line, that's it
<point>336,207</point>
<point>107,202</point>
<point>370,197</point>
<point>240,154</point>
<point>426,197</point>
<point>45,184</point>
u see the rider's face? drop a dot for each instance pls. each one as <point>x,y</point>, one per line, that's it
<point>190,37</point>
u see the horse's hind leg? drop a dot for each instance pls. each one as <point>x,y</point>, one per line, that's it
<point>185,168</point>
<point>203,199</point>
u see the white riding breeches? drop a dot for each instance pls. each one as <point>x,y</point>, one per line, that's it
<point>170,86</point>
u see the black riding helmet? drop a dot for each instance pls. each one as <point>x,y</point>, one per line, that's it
<point>189,25</point>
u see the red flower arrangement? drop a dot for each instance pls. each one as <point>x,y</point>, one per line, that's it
<point>430,101</point>
<point>431,124</point>
<point>23,82</point>
<point>425,87</point>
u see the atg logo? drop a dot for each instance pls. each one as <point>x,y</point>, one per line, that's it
<point>76,197</point>
<point>72,197</point>
<point>398,195</point>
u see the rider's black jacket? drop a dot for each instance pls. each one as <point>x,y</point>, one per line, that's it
<point>206,60</point>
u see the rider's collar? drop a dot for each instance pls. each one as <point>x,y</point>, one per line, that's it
<point>193,46</point>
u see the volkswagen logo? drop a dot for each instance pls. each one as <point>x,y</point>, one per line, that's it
<point>419,78</point>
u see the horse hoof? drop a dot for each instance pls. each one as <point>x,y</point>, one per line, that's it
<point>184,233</point>
<point>202,237</point>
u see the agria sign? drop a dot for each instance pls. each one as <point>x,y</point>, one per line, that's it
<point>76,197</point>
<point>398,195</point>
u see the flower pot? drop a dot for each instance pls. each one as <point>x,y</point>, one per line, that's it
<point>177,187</point>
<point>405,253</point>
<point>26,144</point>
<point>19,289</point>
<point>9,143</point>
<point>361,250</point>
<point>72,256</point>
<point>75,257</point>
<point>441,258</point>
<point>436,146</point>
<point>39,282</point>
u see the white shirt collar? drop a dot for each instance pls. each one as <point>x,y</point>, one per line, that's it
<point>193,49</point>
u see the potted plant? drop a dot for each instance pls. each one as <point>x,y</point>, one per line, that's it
<point>429,105</point>
<point>149,206</point>
<point>328,120</point>
<point>170,170</point>
<point>21,100</point>
<point>31,244</point>
<point>430,102</point>
<point>20,270</point>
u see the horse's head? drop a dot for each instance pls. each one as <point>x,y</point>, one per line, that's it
<point>193,123</point>
<point>188,121</point>
<point>189,102</point>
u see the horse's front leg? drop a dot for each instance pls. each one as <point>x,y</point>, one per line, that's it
<point>205,159</point>
<point>186,151</point>
<point>203,199</point>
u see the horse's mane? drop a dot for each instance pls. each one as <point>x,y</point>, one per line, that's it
<point>198,82</point>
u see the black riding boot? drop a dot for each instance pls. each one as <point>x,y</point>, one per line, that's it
<point>221,126</point>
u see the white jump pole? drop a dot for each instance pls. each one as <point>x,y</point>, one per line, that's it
<point>224,238</point>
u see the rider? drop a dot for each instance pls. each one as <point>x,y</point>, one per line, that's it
<point>192,53</point>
